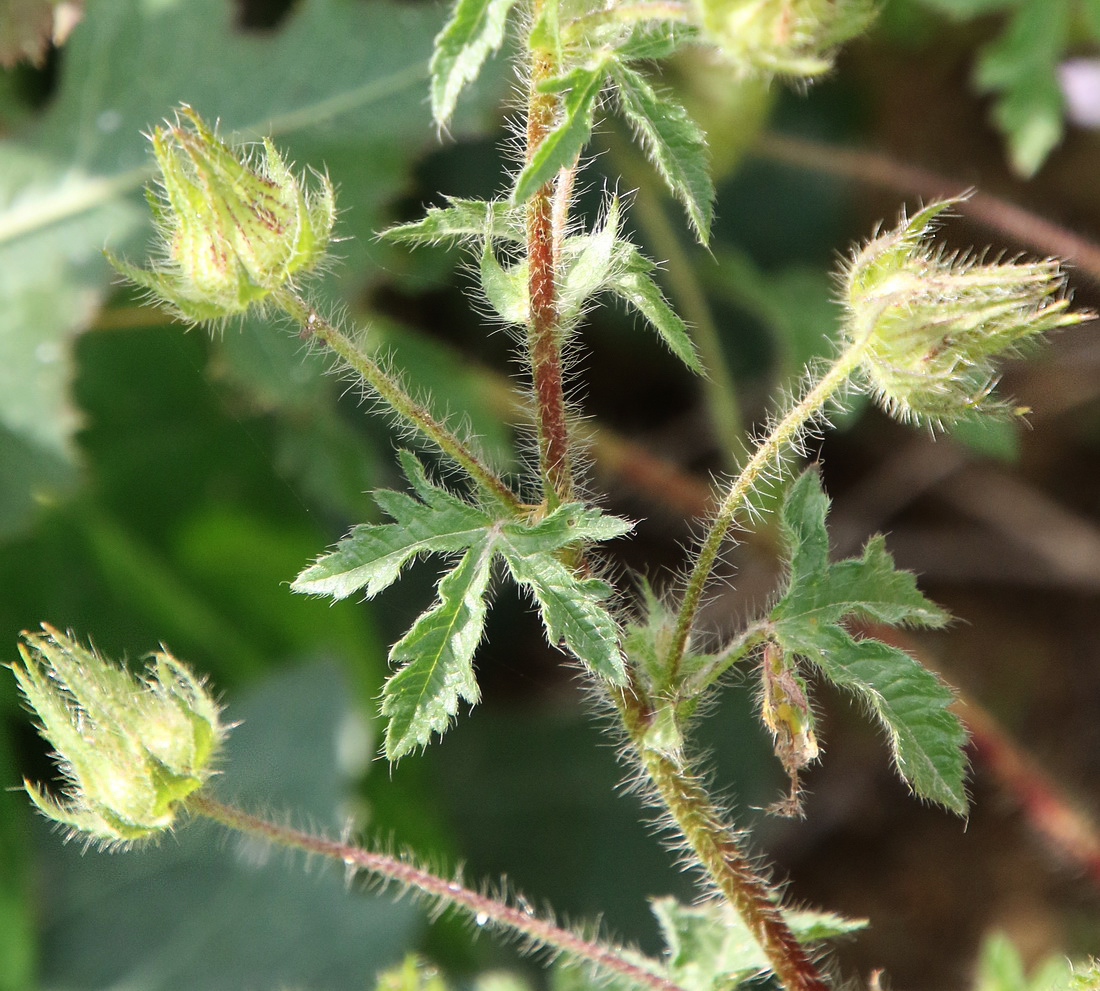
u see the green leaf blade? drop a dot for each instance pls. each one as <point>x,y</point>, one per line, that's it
<point>908,700</point>
<point>437,654</point>
<point>371,559</point>
<point>571,523</point>
<point>643,294</point>
<point>802,523</point>
<point>1020,66</point>
<point>475,30</point>
<point>372,555</point>
<point>572,610</point>
<point>871,586</point>
<point>674,143</point>
<point>709,947</point>
<point>561,146</point>
<point>461,219</point>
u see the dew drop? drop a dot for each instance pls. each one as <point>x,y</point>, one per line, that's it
<point>481,918</point>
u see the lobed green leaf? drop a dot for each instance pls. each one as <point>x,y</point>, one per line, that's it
<point>437,654</point>
<point>910,702</point>
<point>572,609</point>
<point>372,555</point>
<point>435,657</point>
<point>674,143</point>
<point>868,586</point>
<point>475,30</point>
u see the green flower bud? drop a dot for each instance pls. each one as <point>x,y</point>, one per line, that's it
<point>130,749</point>
<point>232,230</point>
<point>782,37</point>
<point>934,325</point>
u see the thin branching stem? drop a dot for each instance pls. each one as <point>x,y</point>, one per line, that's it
<point>640,971</point>
<point>390,389</point>
<point>768,454</point>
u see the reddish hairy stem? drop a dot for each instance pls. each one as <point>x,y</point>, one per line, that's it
<point>519,920</point>
<point>543,331</point>
<point>715,846</point>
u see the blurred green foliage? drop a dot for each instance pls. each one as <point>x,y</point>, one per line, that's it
<point>1019,66</point>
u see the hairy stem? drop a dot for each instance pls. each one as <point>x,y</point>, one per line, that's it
<point>390,389</point>
<point>768,455</point>
<point>638,970</point>
<point>544,230</point>
<point>715,846</point>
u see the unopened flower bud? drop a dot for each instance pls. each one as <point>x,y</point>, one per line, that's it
<point>934,325</point>
<point>130,749</point>
<point>232,230</point>
<point>782,37</point>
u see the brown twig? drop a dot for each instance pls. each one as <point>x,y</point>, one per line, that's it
<point>878,169</point>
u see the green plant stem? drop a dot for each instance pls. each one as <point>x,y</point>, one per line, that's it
<point>391,391</point>
<point>768,455</point>
<point>638,970</point>
<point>543,328</point>
<point>715,846</point>
<point>741,646</point>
